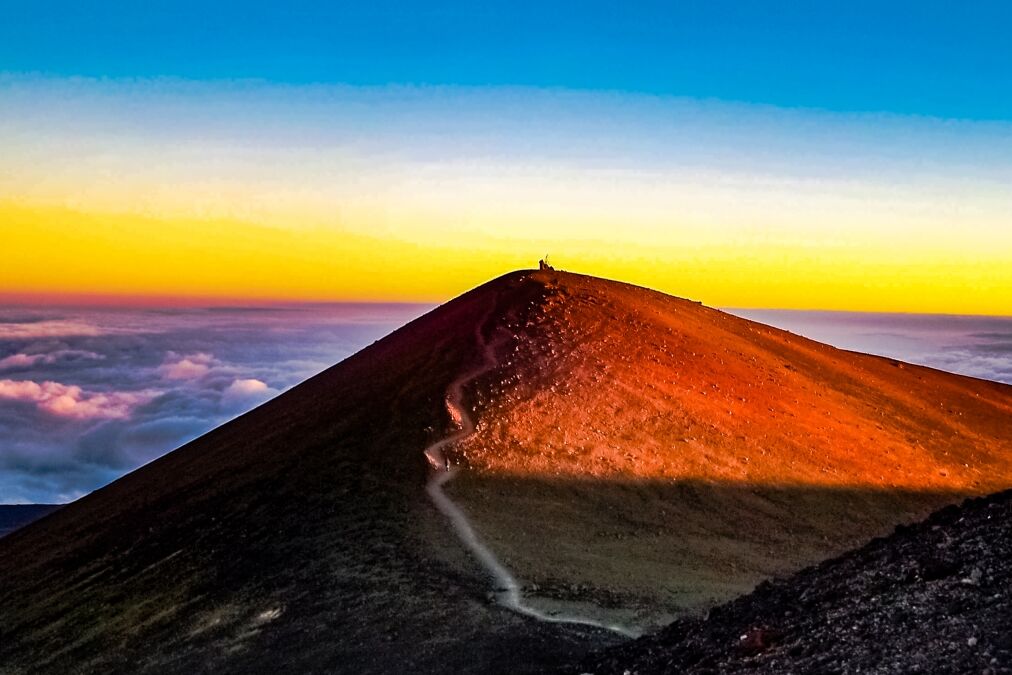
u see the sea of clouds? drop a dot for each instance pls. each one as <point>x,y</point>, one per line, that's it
<point>978,346</point>
<point>87,395</point>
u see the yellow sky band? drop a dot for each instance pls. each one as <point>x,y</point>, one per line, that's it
<point>59,250</point>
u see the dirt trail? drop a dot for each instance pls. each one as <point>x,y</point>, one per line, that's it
<point>507,588</point>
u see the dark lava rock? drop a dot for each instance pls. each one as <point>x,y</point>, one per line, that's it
<point>935,597</point>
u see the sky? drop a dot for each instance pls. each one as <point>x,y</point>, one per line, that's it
<point>920,58</point>
<point>765,155</point>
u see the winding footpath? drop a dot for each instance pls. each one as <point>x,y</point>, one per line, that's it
<point>507,589</point>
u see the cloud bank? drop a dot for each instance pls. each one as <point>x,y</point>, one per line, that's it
<point>978,346</point>
<point>71,401</point>
<point>191,367</point>
<point>21,361</point>
<point>46,328</point>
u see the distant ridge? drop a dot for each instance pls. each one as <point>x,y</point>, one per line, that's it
<point>13,516</point>
<point>635,456</point>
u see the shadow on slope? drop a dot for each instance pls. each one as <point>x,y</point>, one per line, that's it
<point>641,552</point>
<point>932,598</point>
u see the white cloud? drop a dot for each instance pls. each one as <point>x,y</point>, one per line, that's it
<point>191,367</point>
<point>20,361</point>
<point>246,392</point>
<point>73,402</point>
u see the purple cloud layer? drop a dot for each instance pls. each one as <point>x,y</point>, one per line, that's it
<point>88,395</point>
<point>71,401</point>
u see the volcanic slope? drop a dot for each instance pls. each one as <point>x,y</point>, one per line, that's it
<point>638,455</point>
<point>296,538</point>
<point>635,456</point>
<point>930,598</point>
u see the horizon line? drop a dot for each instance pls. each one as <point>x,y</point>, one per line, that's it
<point>182,301</point>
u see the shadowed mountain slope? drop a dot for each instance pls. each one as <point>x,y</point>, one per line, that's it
<point>635,456</point>
<point>931,598</point>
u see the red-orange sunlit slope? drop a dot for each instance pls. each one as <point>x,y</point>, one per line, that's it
<point>599,378</point>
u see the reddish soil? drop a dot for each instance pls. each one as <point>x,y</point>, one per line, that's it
<point>606,380</point>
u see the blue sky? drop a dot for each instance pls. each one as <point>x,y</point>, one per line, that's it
<point>949,60</point>
<point>806,155</point>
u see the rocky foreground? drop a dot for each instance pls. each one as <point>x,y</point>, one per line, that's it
<point>935,597</point>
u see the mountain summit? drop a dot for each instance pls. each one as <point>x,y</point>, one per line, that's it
<point>622,455</point>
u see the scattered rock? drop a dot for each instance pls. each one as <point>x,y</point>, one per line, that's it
<point>758,639</point>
